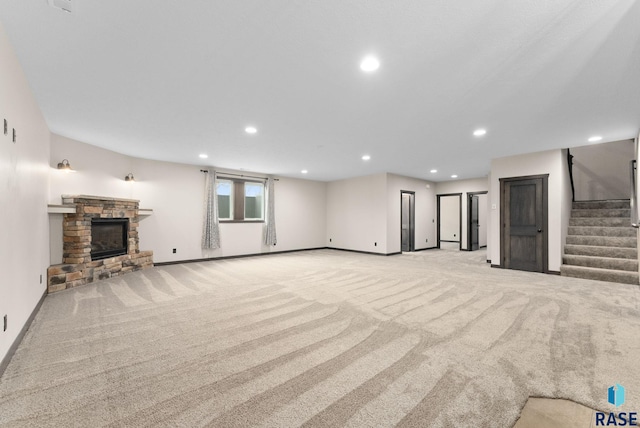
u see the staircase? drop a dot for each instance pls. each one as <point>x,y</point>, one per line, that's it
<point>601,244</point>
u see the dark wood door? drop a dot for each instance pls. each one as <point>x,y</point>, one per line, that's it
<point>524,218</point>
<point>474,201</point>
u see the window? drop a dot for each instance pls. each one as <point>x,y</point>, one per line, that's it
<point>240,200</point>
<point>253,201</point>
<point>225,201</point>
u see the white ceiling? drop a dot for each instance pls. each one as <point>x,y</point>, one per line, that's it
<point>168,80</point>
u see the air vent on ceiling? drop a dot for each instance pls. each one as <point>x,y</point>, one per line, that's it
<point>64,5</point>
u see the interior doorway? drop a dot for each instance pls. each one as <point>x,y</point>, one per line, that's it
<point>476,220</point>
<point>407,221</point>
<point>449,228</point>
<point>523,216</point>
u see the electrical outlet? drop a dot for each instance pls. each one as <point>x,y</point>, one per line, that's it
<point>14,135</point>
<point>6,127</point>
<point>40,278</point>
<point>5,323</point>
<point>426,240</point>
<point>329,239</point>
<point>375,244</point>
<point>174,251</point>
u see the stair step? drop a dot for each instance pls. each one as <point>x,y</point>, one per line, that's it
<point>603,241</point>
<point>630,265</point>
<point>600,221</point>
<point>620,276</point>
<point>599,251</point>
<point>610,204</point>
<point>575,213</point>
<point>628,232</point>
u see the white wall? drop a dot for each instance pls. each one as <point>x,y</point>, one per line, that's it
<point>24,253</point>
<point>450,218</point>
<point>464,187</point>
<point>601,171</point>
<point>175,192</point>
<point>425,226</point>
<point>357,214</point>
<point>550,162</point>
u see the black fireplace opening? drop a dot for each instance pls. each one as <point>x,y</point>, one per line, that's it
<point>108,237</point>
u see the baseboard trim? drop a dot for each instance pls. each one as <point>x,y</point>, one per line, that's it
<point>425,249</point>
<point>365,252</point>
<point>457,242</point>
<point>240,256</point>
<point>14,346</point>
<point>549,272</point>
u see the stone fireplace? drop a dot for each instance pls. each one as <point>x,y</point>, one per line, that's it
<point>100,241</point>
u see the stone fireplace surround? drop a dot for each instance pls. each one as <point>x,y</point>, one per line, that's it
<point>77,268</point>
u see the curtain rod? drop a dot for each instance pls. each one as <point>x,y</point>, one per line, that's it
<point>225,174</point>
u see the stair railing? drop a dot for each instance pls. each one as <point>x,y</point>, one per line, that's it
<point>633,200</point>
<point>570,164</point>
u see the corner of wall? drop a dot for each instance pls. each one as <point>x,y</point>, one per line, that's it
<point>25,177</point>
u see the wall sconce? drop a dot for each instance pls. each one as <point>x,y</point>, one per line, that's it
<point>129,177</point>
<point>65,166</point>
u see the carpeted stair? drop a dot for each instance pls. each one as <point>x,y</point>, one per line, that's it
<point>601,244</point>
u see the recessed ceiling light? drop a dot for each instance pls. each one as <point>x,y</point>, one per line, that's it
<point>454,176</point>
<point>203,156</point>
<point>479,132</point>
<point>304,171</point>
<point>433,171</point>
<point>250,130</point>
<point>369,64</point>
<point>366,157</point>
<point>595,139</point>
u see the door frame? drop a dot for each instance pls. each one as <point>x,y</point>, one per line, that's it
<point>459,195</point>
<point>412,219</point>
<point>545,217</point>
<point>469,195</point>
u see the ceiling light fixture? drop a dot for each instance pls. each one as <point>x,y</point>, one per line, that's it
<point>366,157</point>
<point>433,171</point>
<point>129,177</point>
<point>454,176</point>
<point>479,132</point>
<point>203,156</point>
<point>250,130</point>
<point>65,166</point>
<point>369,64</point>
<point>304,171</point>
<point>595,139</point>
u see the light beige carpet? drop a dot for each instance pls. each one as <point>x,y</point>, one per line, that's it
<point>323,338</point>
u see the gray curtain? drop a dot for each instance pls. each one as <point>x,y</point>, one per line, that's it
<point>270,230</point>
<point>210,230</point>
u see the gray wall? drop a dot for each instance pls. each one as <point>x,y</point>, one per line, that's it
<point>24,174</point>
<point>601,171</point>
<point>175,192</point>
